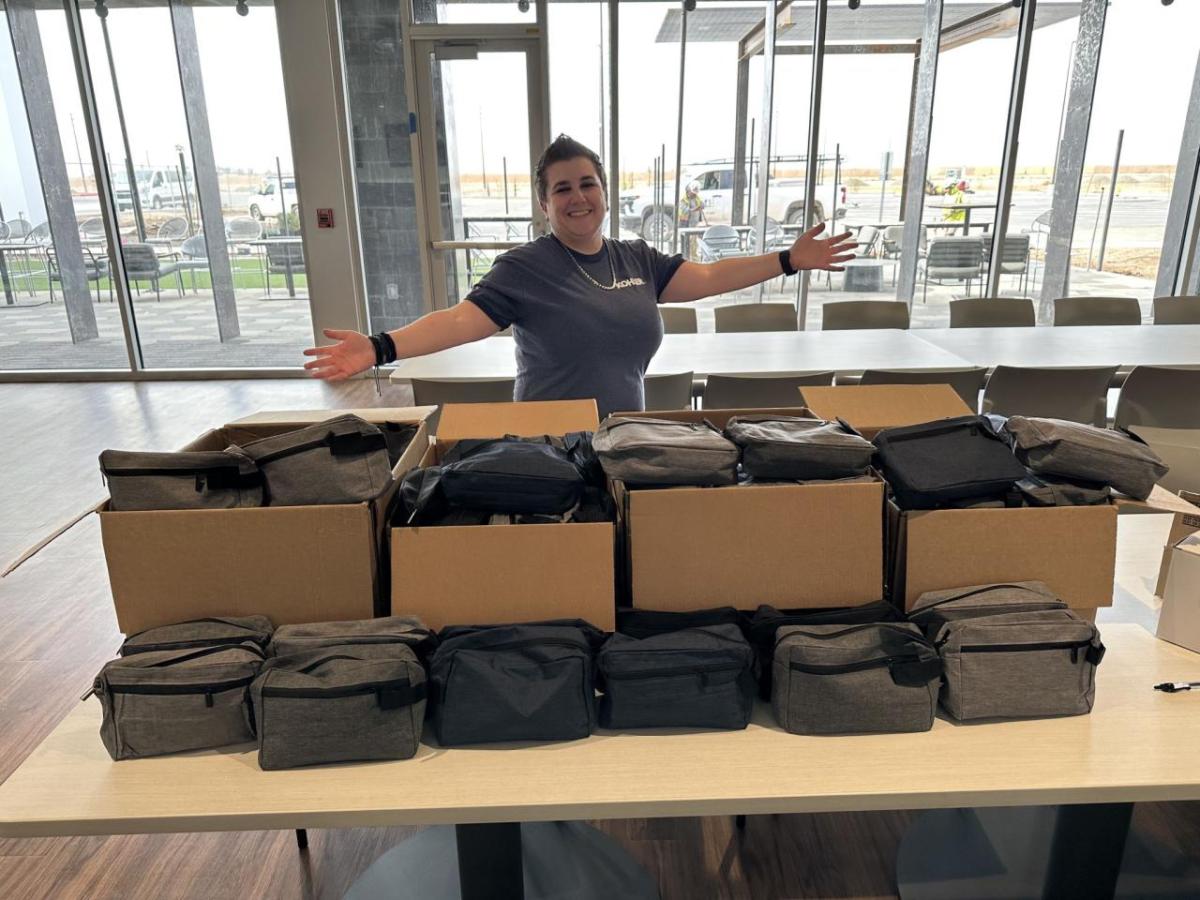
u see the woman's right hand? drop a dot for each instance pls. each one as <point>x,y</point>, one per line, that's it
<point>353,353</point>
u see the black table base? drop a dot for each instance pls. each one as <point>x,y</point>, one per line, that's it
<point>507,861</point>
<point>1084,851</point>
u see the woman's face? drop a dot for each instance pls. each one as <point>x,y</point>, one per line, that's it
<point>575,203</point>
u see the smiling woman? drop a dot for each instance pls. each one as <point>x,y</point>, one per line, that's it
<point>583,308</point>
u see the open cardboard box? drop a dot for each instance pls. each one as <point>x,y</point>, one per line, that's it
<point>290,563</point>
<point>489,574</point>
<point>1179,620</point>
<point>1072,549</point>
<point>786,544</point>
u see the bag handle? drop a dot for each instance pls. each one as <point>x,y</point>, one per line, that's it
<point>355,442</point>
<point>209,651</point>
<point>305,670</point>
<point>916,672</point>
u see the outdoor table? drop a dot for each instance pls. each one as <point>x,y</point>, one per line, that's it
<point>863,274</point>
<point>1137,745</point>
<point>966,207</point>
<point>4,276</point>
<point>756,353</point>
<point>287,241</point>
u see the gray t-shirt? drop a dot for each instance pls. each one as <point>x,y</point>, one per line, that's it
<point>573,339</point>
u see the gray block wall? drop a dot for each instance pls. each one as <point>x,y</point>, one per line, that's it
<point>383,164</point>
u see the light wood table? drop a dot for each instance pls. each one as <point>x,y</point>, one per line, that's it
<point>761,353</point>
<point>1070,345</point>
<point>1138,744</point>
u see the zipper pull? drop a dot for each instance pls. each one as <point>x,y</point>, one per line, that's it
<point>1074,655</point>
<point>96,688</point>
<point>208,699</point>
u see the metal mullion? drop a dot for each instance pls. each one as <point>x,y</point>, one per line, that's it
<point>916,165</point>
<point>108,208</point>
<point>679,129</point>
<point>614,107</point>
<point>820,24</point>
<point>469,32</point>
<point>1178,255</point>
<point>1012,140</point>
<point>764,146</point>
<point>408,49</point>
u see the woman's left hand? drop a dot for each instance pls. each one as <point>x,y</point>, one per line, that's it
<point>811,252</point>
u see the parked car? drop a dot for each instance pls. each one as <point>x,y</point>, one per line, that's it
<point>265,201</point>
<point>785,201</point>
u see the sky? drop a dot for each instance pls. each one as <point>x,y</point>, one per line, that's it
<point>1146,71</point>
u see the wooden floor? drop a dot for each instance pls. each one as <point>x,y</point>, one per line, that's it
<point>58,629</point>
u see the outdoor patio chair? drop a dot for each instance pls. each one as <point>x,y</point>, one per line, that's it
<point>967,383</point>
<point>438,392</point>
<point>1177,310</point>
<point>94,267</point>
<point>34,240</point>
<point>18,228</point>
<point>143,264</point>
<point>91,229</point>
<point>1074,394</point>
<point>672,391</point>
<point>760,391</point>
<point>776,238</point>
<point>193,255</point>
<point>677,319</point>
<point>992,312</point>
<point>284,257</point>
<point>850,314</point>
<point>954,259</point>
<point>4,231</point>
<point>755,317</point>
<point>171,231</point>
<point>866,239</point>
<point>1014,258</point>
<point>1097,311</point>
<point>720,242</point>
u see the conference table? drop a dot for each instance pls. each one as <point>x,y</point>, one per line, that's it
<point>759,353</point>
<point>1070,345</point>
<point>1137,745</point>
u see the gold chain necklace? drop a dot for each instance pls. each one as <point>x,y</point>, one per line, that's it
<point>612,269</point>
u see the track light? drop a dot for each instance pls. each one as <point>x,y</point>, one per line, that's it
<point>855,4</point>
<point>101,9</point>
<point>523,5</point>
<point>242,8</point>
<point>689,5</point>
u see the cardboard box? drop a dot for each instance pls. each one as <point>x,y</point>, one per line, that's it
<point>290,563</point>
<point>1072,549</point>
<point>1179,620</point>
<point>488,574</point>
<point>1185,523</point>
<point>871,408</point>
<point>789,545</point>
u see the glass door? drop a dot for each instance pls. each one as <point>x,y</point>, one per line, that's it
<point>482,127</point>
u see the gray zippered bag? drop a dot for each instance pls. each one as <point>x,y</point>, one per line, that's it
<point>792,448</point>
<point>933,609</point>
<point>203,479</point>
<point>1050,490</point>
<point>343,704</point>
<point>1019,665</point>
<point>340,460</point>
<point>1086,453</point>
<point>859,679</point>
<point>664,451</point>
<point>401,630</point>
<point>214,631</point>
<point>692,678</point>
<point>177,700</point>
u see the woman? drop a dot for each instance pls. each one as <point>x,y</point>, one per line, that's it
<point>584,309</point>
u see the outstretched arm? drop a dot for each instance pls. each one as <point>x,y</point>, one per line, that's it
<point>694,281</point>
<point>353,352</point>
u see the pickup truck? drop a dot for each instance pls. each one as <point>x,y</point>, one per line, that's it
<point>785,201</point>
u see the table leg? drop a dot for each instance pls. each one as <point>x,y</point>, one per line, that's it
<point>967,221</point>
<point>489,861</point>
<point>1087,849</point>
<point>288,274</point>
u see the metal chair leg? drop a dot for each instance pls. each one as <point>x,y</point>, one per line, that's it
<point>302,838</point>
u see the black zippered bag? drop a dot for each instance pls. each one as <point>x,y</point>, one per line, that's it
<point>936,463</point>
<point>690,678</point>
<point>644,623</point>
<point>762,625</point>
<point>528,682</point>
<point>512,475</point>
<point>175,700</point>
<point>213,631</point>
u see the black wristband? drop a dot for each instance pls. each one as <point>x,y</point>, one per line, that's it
<point>378,345</point>
<point>785,261</point>
<point>389,347</point>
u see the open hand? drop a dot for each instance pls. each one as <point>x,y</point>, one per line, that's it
<point>811,252</point>
<point>353,353</point>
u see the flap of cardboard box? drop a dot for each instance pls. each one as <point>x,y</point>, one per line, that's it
<point>486,420</point>
<point>1161,501</point>
<point>301,417</point>
<point>1190,545</point>
<point>871,408</point>
<point>718,417</point>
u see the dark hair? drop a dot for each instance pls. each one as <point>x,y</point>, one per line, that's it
<point>561,149</point>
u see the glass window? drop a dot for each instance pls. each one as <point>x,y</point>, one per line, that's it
<point>54,263</point>
<point>430,12</point>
